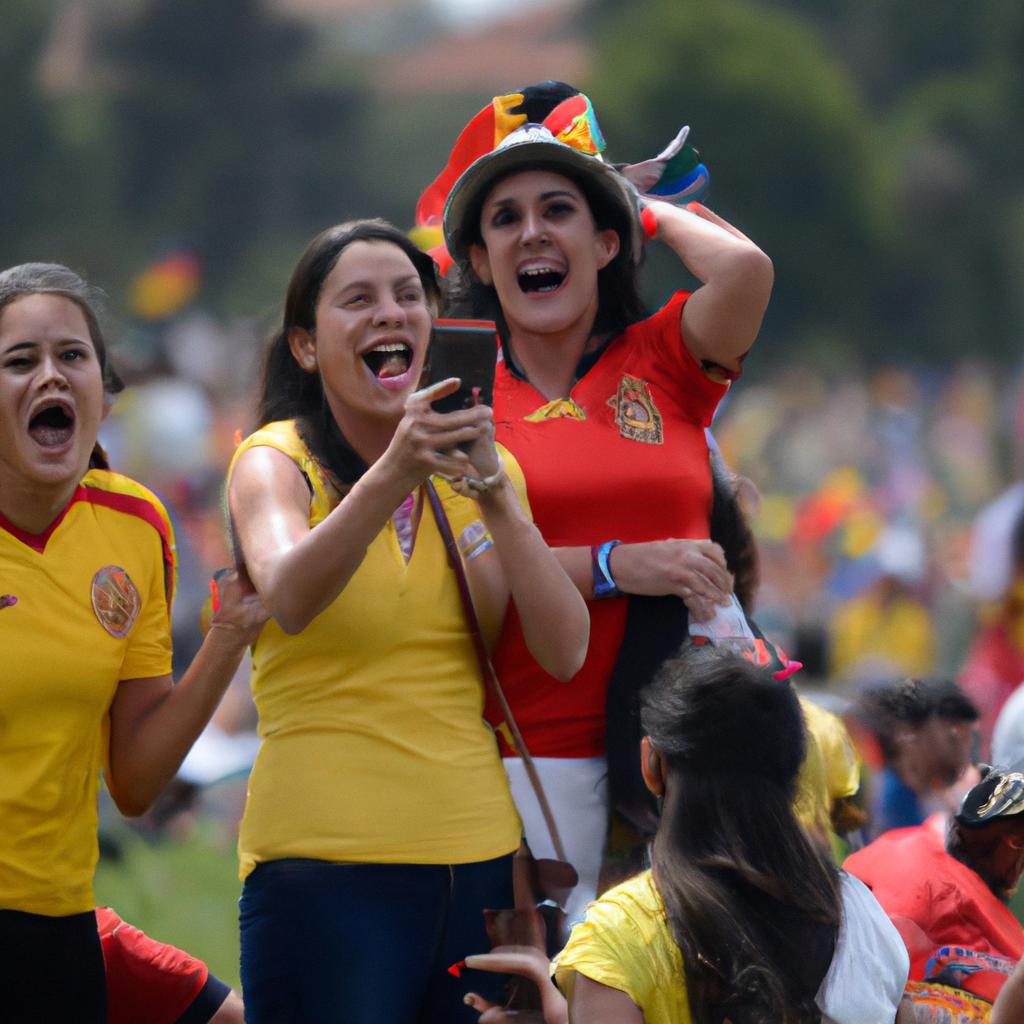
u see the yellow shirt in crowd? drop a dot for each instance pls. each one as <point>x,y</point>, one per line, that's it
<point>830,770</point>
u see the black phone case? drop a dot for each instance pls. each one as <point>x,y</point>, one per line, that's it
<point>466,349</point>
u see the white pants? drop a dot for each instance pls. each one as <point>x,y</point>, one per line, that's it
<point>577,790</point>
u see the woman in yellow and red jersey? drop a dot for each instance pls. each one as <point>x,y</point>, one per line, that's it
<point>86,582</point>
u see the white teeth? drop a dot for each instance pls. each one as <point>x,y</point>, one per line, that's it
<point>397,347</point>
<point>535,271</point>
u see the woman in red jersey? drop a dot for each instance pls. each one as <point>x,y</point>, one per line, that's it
<point>604,407</point>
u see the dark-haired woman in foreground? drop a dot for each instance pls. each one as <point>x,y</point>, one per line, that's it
<point>742,918</point>
<point>379,822</point>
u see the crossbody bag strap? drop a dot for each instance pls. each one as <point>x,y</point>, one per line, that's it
<point>487,667</point>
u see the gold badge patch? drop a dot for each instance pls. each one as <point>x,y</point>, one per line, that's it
<point>636,415</point>
<point>115,600</point>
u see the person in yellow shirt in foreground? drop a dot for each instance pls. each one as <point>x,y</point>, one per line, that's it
<point>743,917</point>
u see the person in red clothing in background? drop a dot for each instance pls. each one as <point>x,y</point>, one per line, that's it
<point>953,893</point>
<point>604,407</point>
<point>995,664</point>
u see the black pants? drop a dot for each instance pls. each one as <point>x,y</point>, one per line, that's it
<point>51,969</point>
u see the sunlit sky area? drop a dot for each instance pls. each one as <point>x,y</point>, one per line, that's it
<point>473,13</point>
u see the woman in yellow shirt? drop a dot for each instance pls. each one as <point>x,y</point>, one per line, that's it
<point>86,582</point>
<point>378,823</point>
<point>742,918</point>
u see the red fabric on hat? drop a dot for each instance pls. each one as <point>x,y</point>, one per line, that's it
<point>476,139</point>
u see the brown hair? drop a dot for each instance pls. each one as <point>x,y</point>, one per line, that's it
<point>290,392</point>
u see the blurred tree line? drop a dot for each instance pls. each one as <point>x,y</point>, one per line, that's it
<point>873,148</point>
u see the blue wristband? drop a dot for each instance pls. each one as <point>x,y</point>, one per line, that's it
<point>600,559</point>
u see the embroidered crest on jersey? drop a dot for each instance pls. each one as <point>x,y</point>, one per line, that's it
<point>7,600</point>
<point>115,600</point>
<point>636,415</point>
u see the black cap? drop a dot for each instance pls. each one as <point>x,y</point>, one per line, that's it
<point>1000,794</point>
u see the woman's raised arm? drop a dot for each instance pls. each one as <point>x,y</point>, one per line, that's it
<point>554,616</point>
<point>721,319</point>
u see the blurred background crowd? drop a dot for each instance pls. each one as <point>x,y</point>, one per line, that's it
<point>180,153</point>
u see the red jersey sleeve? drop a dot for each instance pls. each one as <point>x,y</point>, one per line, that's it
<point>659,341</point>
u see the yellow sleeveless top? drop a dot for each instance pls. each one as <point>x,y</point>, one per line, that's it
<point>374,744</point>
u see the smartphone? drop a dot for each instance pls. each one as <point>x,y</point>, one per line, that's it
<point>467,349</point>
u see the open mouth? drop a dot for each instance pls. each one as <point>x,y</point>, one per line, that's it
<point>541,279</point>
<point>52,427</point>
<point>389,360</point>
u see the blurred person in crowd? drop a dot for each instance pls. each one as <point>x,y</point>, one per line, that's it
<point>950,887</point>
<point>742,917</point>
<point>87,577</point>
<point>604,407</point>
<point>995,663</point>
<point>925,730</point>
<point>886,623</point>
<point>1008,734</point>
<point>379,821</point>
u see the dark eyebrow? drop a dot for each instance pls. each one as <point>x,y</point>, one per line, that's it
<point>407,279</point>
<point>544,196</point>
<point>35,344</point>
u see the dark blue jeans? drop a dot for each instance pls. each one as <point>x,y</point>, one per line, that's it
<point>326,943</point>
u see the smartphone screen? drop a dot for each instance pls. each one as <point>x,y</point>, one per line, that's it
<point>467,349</point>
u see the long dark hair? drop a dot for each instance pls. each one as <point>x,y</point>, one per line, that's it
<point>730,528</point>
<point>752,902</point>
<point>56,279</point>
<point>290,392</point>
<point>656,628</point>
<point>618,284</point>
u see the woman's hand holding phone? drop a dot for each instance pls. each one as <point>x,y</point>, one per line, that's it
<point>428,442</point>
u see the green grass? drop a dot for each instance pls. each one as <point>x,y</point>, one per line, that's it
<point>181,892</point>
